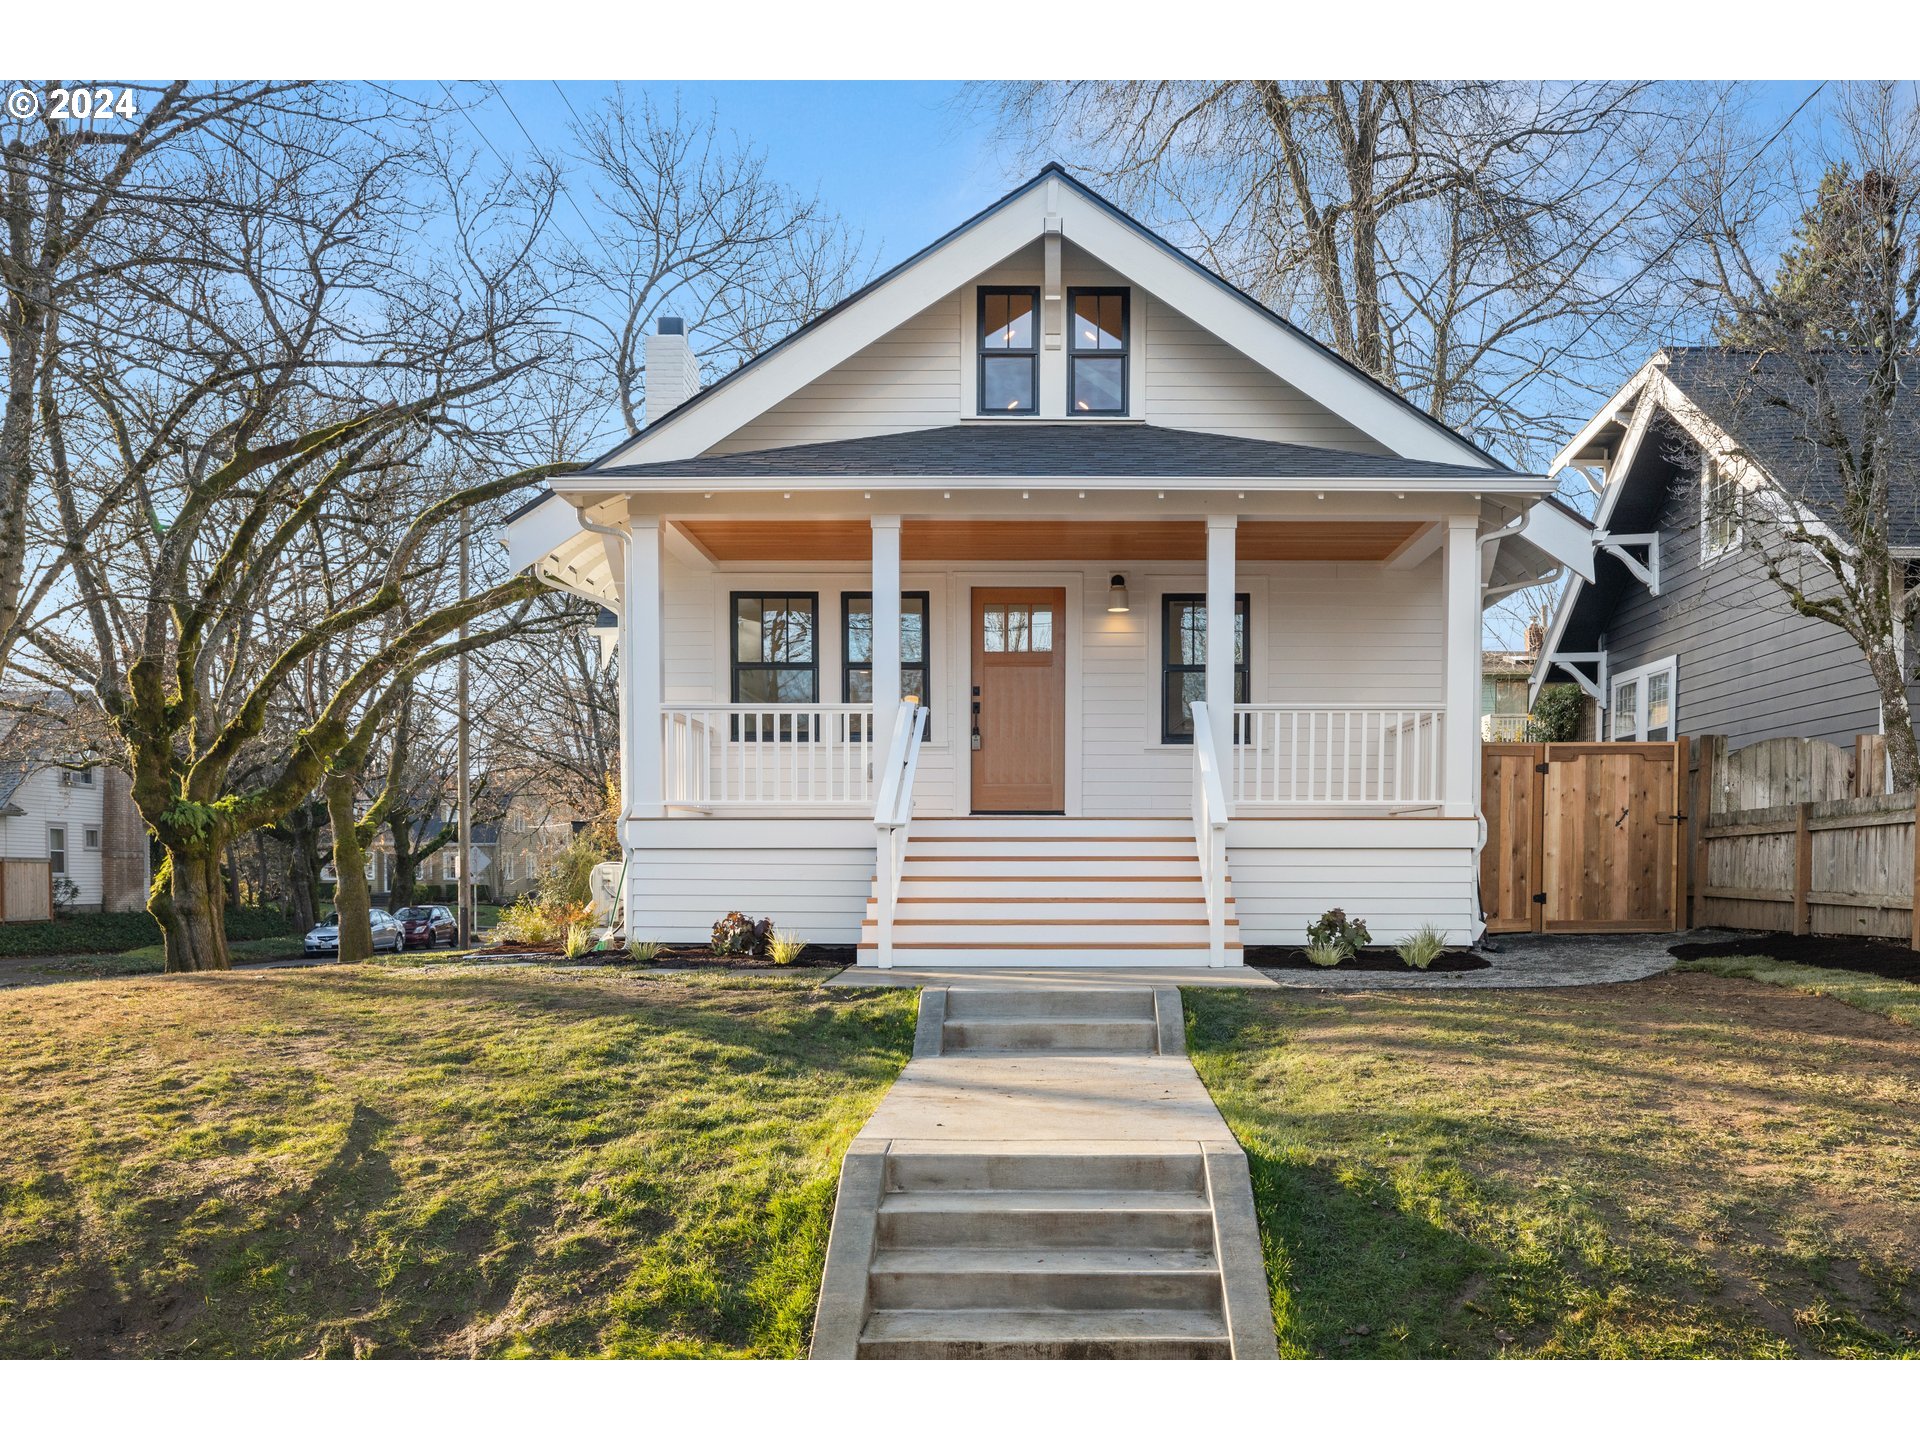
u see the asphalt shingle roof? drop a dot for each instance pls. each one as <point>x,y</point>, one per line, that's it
<point>1042,449</point>
<point>1766,407</point>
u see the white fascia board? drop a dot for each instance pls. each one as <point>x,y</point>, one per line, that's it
<point>778,374</point>
<point>1603,417</point>
<point>1524,489</point>
<point>1283,351</point>
<point>532,536</point>
<point>1562,538</point>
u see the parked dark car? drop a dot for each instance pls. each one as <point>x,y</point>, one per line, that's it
<point>428,925</point>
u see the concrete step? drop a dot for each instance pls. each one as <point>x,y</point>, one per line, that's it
<point>1044,1335</point>
<point>1059,1035</point>
<point>1045,1279</point>
<point>1177,1170</point>
<point>968,1002</point>
<point>1045,1219</point>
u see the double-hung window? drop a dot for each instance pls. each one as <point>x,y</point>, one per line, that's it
<point>1719,511</point>
<point>776,659</point>
<point>57,849</point>
<point>1183,664</point>
<point>1009,352</point>
<point>1643,702</point>
<point>856,669</point>
<point>1097,352</point>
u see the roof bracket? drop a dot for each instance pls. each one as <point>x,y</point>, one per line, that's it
<point>1566,660</point>
<point>1648,571</point>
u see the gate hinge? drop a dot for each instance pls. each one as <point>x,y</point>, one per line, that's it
<point>1540,898</point>
<point>1541,768</point>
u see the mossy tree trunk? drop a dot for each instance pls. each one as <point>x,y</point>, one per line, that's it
<point>189,901</point>
<point>351,897</point>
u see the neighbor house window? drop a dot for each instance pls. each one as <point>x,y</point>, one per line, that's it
<point>856,671</point>
<point>1183,650</point>
<point>90,837</point>
<point>1009,352</point>
<point>1719,510</point>
<point>1643,702</point>
<point>776,657</point>
<point>57,849</point>
<point>1097,352</point>
<point>82,776</point>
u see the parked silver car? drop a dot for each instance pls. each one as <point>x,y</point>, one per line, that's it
<point>388,934</point>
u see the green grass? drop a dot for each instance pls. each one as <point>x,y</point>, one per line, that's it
<point>152,959</point>
<point>1688,1166</point>
<point>383,1160</point>
<point>1896,999</point>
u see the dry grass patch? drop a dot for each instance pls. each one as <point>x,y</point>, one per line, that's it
<point>1690,1165</point>
<point>445,1161</point>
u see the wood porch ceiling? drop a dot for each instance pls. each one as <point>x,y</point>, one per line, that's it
<point>1360,540</point>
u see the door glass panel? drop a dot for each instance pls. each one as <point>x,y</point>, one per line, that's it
<point>1042,629</point>
<point>996,629</point>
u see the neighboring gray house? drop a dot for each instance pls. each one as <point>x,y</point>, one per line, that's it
<point>1682,631</point>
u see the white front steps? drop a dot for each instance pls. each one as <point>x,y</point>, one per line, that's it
<point>994,890</point>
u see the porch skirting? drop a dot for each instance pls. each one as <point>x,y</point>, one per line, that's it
<point>813,876</point>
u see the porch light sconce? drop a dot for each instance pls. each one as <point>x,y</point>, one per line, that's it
<point>1117,596</point>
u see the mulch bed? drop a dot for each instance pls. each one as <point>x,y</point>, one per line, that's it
<point>1888,959</point>
<point>682,957</point>
<point>1291,957</point>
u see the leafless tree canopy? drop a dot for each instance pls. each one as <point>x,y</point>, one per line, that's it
<point>1469,243</point>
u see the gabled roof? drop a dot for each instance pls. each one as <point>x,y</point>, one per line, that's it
<point>1311,366</point>
<point>1067,448</point>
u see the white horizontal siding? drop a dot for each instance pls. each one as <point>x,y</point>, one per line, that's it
<point>908,379</point>
<point>1280,889</point>
<point>809,877</point>
<point>47,802</point>
<point>1196,381</point>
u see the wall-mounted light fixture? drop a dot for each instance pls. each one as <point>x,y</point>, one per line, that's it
<point>1117,596</point>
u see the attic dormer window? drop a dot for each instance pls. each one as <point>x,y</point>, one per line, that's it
<point>1719,510</point>
<point>1009,352</point>
<point>1097,352</point>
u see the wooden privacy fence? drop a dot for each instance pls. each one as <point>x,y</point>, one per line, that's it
<point>1828,867</point>
<point>26,889</point>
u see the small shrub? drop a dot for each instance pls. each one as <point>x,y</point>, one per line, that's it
<point>1422,948</point>
<point>66,895</point>
<point>1327,953</point>
<point>785,947</point>
<point>735,934</point>
<point>644,951</point>
<point>531,921</point>
<point>1334,928</point>
<point>579,939</point>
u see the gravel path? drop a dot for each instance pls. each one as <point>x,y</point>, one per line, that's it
<point>1522,962</point>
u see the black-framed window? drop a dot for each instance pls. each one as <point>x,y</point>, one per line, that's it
<point>1183,655</point>
<point>776,655</point>
<point>856,650</point>
<point>1097,332</point>
<point>1009,351</point>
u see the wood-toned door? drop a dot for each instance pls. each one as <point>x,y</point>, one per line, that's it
<point>1019,709</point>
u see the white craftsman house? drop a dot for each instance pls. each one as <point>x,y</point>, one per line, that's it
<point>1172,616</point>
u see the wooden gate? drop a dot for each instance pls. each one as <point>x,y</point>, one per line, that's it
<point>1583,837</point>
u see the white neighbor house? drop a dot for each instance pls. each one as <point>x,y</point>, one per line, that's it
<point>1029,478</point>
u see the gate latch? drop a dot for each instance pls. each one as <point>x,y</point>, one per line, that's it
<point>1541,768</point>
<point>1540,898</point>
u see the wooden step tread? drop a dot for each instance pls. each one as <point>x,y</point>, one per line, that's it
<point>987,945</point>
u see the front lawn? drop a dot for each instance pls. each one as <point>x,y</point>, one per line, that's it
<point>455,1160</point>
<point>1690,1165</point>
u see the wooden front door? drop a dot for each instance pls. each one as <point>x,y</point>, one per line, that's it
<point>1019,701</point>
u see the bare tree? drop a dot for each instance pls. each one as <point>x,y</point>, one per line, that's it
<point>1468,243</point>
<point>549,714</point>
<point>1810,265</point>
<point>687,222</point>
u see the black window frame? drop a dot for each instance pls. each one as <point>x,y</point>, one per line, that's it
<point>734,598</point>
<point>848,665</point>
<point>1242,672</point>
<point>982,354</point>
<point>1124,354</point>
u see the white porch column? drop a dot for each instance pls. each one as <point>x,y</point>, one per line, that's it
<point>1460,671</point>
<point>641,643</point>
<point>1220,564</point>
<point>886,635</point>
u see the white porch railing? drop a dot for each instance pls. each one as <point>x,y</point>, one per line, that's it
<point>1507,729</point>
<point>771,756</point>
<point>1210,815</point>
<point>1336,755</point>
<point>892,817</point>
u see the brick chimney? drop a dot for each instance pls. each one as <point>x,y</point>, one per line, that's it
<point>673,375</point>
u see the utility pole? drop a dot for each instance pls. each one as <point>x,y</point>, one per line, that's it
<point>463,785</point>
